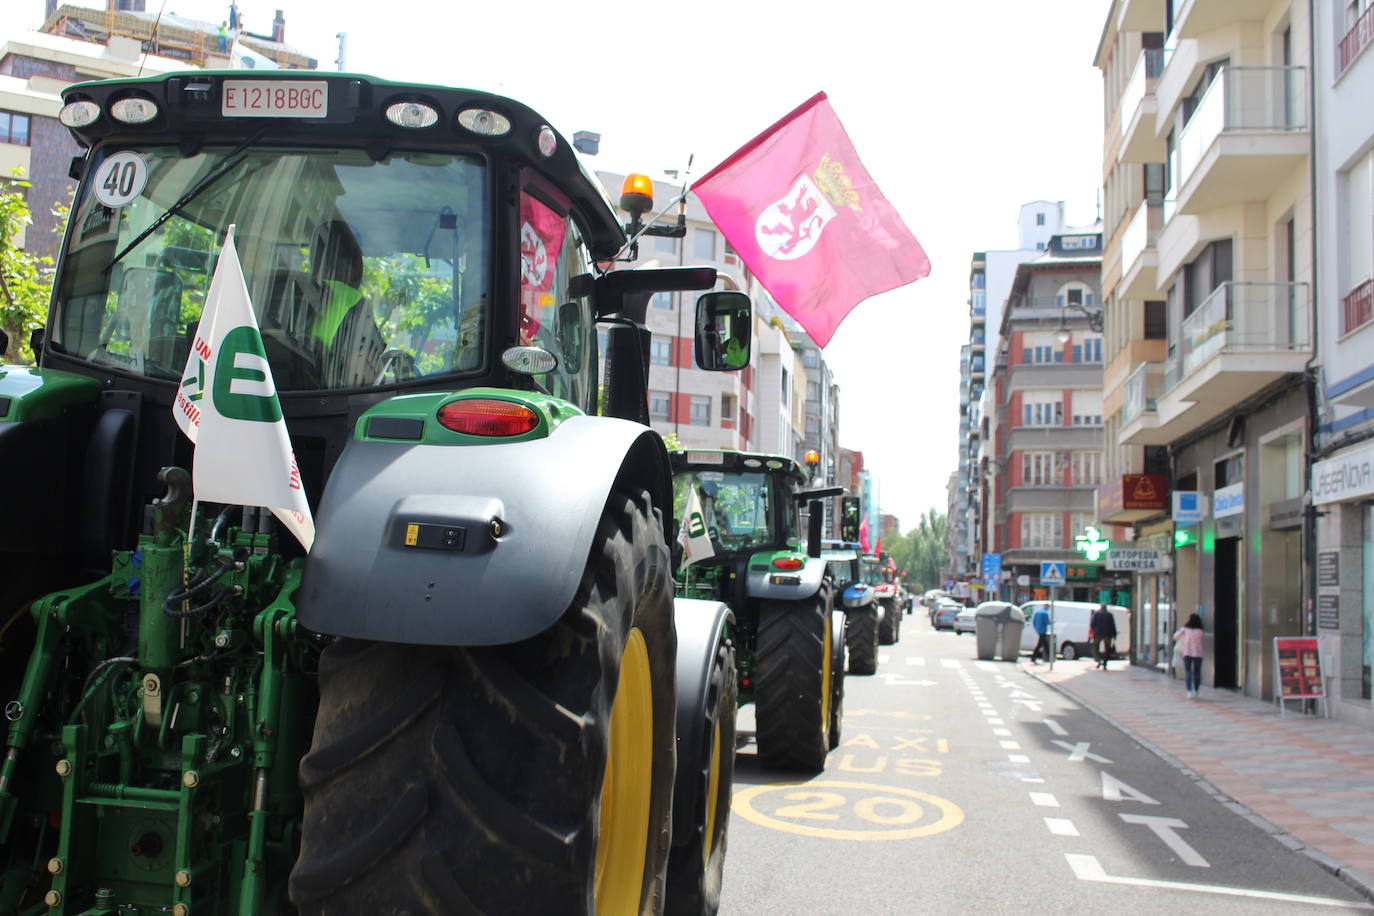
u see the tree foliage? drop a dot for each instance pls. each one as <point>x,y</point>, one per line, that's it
<point>25,278</point>
<point>920,552</point>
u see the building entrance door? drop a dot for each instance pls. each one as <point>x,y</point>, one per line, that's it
<point>1226,616</point>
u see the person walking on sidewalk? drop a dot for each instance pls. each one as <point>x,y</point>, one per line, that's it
<point>1040,620</point>
<point>1189,640</point>
<point>1102,632</point>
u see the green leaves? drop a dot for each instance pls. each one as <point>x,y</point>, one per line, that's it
<point>25,278</point>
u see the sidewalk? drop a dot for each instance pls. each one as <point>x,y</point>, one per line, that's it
<point>1308,781</point>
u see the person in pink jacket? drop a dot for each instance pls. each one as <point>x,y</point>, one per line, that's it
<point>1189,641</point>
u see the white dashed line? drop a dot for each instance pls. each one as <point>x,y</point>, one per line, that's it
<point>1056,728</point>
<point>1018,758</point>
<point>916,660</point>
<point>1044,799</point>
<point>951,663</point>
<point>1001,731</point>
<point>994,721</point>
<point>1011,745</point>
<point>1061,826</point>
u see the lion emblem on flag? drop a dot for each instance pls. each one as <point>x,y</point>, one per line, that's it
<point>790,227</point>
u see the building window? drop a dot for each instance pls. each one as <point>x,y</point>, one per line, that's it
<point>813,426</point>
<point>1043,413</point>
<point>665,243</point>
<point>813,391</point>
<point>705,245</point>
<point>1079,522</point>
<point>1037,469</point>
<point>1086,469</point>
<point>1042,529</point>
<point>727,407</point>
<point>14,128</point>
<point>786,388</point>
<point>1087,419</point>
<point>659,402</point>
<point>662,300</point>
<point>1156,321</point>
<point>661,352</point>
<point>701,410</point>
<point>1091,351</point>
<point>811,358</point>
<point>1039,219</point>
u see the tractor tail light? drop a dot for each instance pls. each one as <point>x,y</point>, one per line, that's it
<point>485,417</point>
<point>788,563</point>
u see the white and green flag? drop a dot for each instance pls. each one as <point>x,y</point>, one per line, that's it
<point>228,407</point>
<point>695,541</point>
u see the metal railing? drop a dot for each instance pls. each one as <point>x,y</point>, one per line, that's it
<point>1242,317</point>
<point>1357,306</point>
<point>1142,232</point>
<point>1360,34</point>
<point>1143,389</point>
<point>1243,99</point>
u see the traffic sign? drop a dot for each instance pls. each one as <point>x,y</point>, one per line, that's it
<point>1051,573</point>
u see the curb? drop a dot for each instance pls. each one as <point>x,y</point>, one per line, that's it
<point>1359,880</point>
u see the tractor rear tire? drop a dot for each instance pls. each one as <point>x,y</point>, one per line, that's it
<point>836,681</point>
<point>696,868</point>
<point>890,630</point>
<point>861,632</point>
<point>793,683</point>
<point>535,777</point>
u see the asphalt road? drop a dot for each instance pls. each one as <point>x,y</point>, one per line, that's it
<point>965,786</point>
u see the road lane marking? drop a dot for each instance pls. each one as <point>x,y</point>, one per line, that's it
<point>994,720</point>
<point>951,663</point>
<point>913,814</point>
<point>1001,731</point>
<point>942,745</point>
<point>1032,705</point>
<point>915,660</point>
<point>1079,752</point>
<point>1056,728</point>
<point>897,679</point>
<point>1061,826</point>
<point>1018,758</point>
<point>1114,790</point>
<point>1087,868</point>
<point>1020,693</point>
<point>1044,799</point>
<point>1010,745</point>
<point>985,666</point>
<point>883,658</point>
<point>1165,828</point>
<point>1037,779</point>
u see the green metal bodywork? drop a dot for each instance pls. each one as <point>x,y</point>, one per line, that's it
<point>28,394</point>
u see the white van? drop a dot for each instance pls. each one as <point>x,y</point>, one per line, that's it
<point>1071,627</point>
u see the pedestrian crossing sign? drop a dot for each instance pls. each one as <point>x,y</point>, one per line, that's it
<point>1051,573</point>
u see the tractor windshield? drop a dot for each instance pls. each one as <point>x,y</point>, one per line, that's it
<point>743,511</point>
<point>362,272</point>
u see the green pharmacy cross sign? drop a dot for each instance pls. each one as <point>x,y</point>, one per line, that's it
<point>1092,544</point>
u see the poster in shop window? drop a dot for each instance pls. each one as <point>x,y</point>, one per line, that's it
<point>1299,667</point>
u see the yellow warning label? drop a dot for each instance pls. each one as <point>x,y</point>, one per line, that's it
<point>412,535</point>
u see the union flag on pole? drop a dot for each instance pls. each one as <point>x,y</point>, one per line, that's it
<point>228,407</point>
<point>804,215</point>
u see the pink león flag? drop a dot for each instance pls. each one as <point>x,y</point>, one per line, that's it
<point>800,209</point>
<point>863,533</point>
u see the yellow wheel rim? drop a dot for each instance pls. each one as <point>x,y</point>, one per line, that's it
<point>623,840</point>
<point>712,790</point>
<point>825,679</point>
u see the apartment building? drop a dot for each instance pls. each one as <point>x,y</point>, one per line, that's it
<point>1341,479</point>
<point>1208,279</point>
<point>1046,439</point>
<point>990,276</point>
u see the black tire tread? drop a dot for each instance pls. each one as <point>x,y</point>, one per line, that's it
<point>861,632</point>
<point>791,731</point>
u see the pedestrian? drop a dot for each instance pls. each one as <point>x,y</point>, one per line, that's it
<point>1102,632</point>
<point>1189,642</point>
<point>1040,620</point>
<point>223,35</point>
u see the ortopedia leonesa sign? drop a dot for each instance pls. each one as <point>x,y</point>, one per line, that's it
<point>1134,560</point>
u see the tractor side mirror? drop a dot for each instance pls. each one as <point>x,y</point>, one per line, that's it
<point>815,516</point>
<point>724,330</point>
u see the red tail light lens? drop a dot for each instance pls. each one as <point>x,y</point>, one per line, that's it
<point>788,563</point>
<point>481,417</point>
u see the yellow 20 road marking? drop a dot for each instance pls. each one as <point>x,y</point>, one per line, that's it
<point>905,813</point>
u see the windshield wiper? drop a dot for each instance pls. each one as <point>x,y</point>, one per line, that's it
<point>235,156</point>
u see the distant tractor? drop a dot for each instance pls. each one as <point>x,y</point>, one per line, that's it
<point>789,643</point>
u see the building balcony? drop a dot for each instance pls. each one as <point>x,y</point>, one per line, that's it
<point>1140,16</point>
<point>1138,140</point>
<point>1244,336</point>
<point>1139,408</point>
<point>1357,306</point>
<point>1139,258</point>
<point>1196,17</point>
<point>1248,132</point>
<point>1359,37</point>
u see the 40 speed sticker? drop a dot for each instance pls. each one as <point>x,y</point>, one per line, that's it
<point>120,179</point>
<point>847,810</point>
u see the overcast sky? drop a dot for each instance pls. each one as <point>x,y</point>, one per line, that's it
<point>960,111</point>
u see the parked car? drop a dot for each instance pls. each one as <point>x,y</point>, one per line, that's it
<point>964,620</point>
<point>945,612</point>
<point>1071,627</point>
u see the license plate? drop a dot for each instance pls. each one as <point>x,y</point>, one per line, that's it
<point>274,99</point>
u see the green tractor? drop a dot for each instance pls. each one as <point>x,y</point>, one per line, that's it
<point>473,694</point>
<point>789,641</point>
